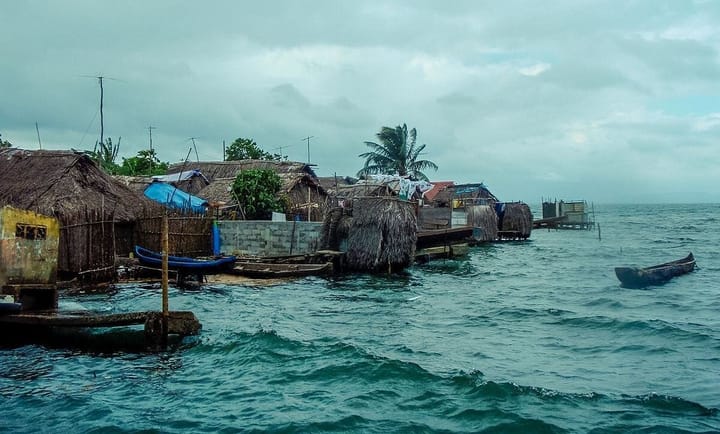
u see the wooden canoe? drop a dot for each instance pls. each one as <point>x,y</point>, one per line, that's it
<point>267,270</point>
<point>185,264</point>
<point>633,277</point>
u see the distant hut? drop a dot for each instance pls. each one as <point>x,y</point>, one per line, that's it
<point>304,194</point>
<point>96,212</point>
<point>331,184</point>
<point>383,235</point>
<point>472,194</point>
<point>516,219</point>
<point>441,195</point>
<point>189,181</point>
<point>485,219</point>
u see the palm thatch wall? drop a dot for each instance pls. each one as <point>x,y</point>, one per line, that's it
<point>517,218</point>
<point>485,218</point>
<point>336,229</point>
<point>383,235</point>
<point>94,210</point>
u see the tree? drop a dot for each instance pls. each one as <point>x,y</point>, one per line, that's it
<point>105,155</point>
<point>247,149</point>
<point>257,192</point>
<point>397,153</point>
<point>4,143</point>
<point>145,163</point>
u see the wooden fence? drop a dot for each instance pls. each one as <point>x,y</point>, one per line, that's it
<point>88,248</point>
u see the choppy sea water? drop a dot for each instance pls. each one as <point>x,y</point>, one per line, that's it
<point>517,337</point>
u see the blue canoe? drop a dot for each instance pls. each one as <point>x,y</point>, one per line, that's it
<point>182,263</point>
<point>8,305</point>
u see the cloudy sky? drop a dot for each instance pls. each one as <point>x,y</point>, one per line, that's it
<point>608,101</point>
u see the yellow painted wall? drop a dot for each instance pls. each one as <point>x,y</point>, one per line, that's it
<point>25,261</point>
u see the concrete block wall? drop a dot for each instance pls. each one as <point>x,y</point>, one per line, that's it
<point>268,238</point>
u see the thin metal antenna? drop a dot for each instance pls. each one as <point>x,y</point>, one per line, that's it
<point>102,124</point>
<point>308,145</point>
<point>38,134</point>
<point>197,158</point>
<point>150,128</point>
<point>100,79</point>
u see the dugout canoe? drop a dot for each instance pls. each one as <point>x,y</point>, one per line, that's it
<point>634,277</point>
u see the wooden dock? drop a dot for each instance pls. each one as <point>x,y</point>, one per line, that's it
<point>441,252</point>
<point>181,323</point>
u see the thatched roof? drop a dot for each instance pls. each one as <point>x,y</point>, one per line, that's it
<point>213,170</point>
<point>219,191</point>
<point>365,189</point>
<point>190,182</point>
<point>474,191</point>
<point>64,184</point>
<point>136,183</point>
<point>222,174</point>
<point>332,183</point>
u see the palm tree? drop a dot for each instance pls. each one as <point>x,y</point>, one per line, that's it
<point>396,153</point>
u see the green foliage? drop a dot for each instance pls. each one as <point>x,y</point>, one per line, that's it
<point>145,163</point>
<point>396,153</point>
<point>4,143</point>
<point>257,192</point>
<point>247,149</point>
<point>105,155</point>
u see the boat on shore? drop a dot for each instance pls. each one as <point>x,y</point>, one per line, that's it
<point>8,305</point>
<point>634,277</point>
<point>268,270</point>
<point>185,264</point>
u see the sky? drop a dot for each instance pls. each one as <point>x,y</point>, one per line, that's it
<point>607,101</point>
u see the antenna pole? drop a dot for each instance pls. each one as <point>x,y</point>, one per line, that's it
<point>150,128</point>
<point>38,134</point>
<point>195,147</point>
<point>102,125</point>
<point>308,146</point>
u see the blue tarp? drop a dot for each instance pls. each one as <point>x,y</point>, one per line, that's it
<point>171,197</point>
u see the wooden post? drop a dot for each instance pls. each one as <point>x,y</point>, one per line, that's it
<point>165,307</point>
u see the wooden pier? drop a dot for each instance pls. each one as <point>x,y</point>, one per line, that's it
<point>180,323</point>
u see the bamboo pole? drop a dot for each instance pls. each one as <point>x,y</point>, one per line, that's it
<point>165,307</point>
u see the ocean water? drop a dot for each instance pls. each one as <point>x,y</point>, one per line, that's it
<point>528,337</point>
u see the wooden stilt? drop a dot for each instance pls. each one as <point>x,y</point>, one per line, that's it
<point>165,303</point>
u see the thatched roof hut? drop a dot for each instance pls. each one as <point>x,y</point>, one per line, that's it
<point>473,194</point>
<point>331,184</point>
<point>516,217</point>
<point>213,170</point>
<point>484,218</point>
<point>299,184</point>
<point>65,184</point>
<point>96,212</point>
<point>441,195</point>
<point>189,181</point>
<point>383,235</point>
